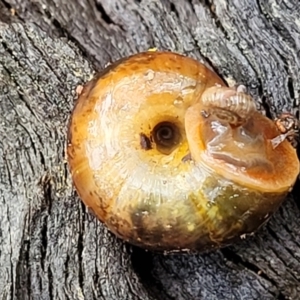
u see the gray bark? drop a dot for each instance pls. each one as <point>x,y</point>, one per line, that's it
<point>51,247</point>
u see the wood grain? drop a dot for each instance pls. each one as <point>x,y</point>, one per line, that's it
<point>50,246</point>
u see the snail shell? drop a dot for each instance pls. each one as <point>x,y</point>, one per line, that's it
<point>171,159</point>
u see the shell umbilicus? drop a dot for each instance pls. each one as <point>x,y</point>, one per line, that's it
<point>170,158</point>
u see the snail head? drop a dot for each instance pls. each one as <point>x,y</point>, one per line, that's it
<point>227,133</point>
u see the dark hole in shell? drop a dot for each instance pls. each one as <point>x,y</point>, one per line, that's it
<point>166,136</point>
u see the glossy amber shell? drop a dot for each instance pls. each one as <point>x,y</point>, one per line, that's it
<point>178,197</point>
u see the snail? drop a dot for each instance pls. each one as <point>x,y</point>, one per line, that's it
<point>171,159</point>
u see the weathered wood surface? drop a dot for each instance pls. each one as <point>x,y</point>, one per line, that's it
<point>50,246</point>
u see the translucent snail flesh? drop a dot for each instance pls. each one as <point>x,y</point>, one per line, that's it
<point>171,159</point>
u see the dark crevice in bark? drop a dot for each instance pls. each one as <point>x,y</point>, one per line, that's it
<point>7,5</point>
<point>264,100</point>
<point>66,265</point>
<point>106,18</point>
<point>291,87</point>
<point>142,263</point>
<point>50,278</point>
<point>42,160</point>
<point>65,167</point>
<point>46,187</point>
<point>262,12</point>
<point>281,297</point>
<point>296,190</point>
<point>47,204</point>
<point>44,243</point>
<point>61,30</point>
<point>23,271</point>
<point>80,246</point>
<point>209,63</point>
<point>10,53</point>
<point>174,10</point>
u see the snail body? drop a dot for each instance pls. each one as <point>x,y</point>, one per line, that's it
<point>170,159</point>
